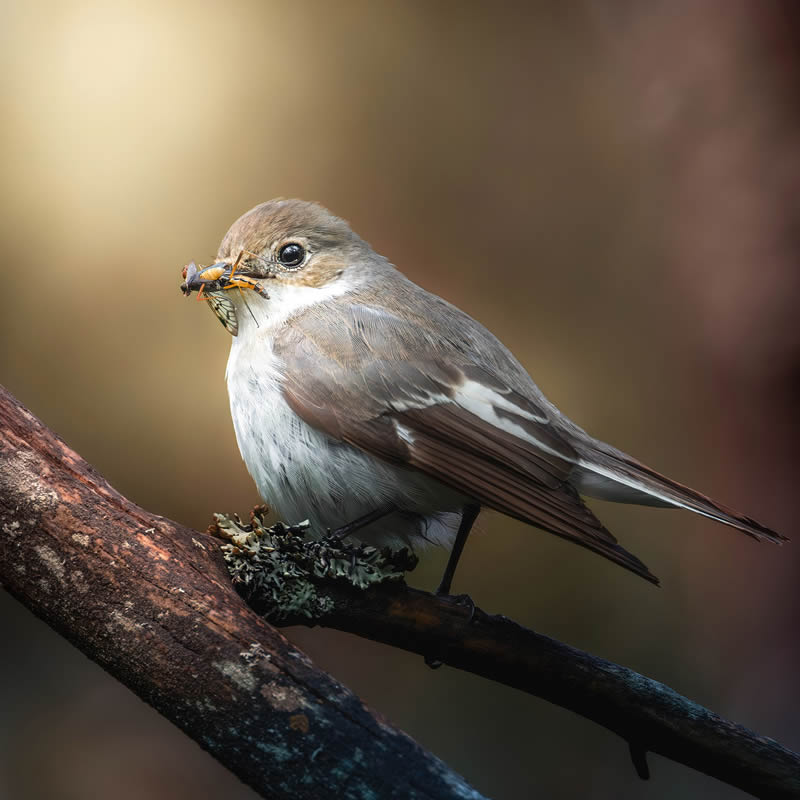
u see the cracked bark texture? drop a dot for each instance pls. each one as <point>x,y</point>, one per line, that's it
<point>151,602</point>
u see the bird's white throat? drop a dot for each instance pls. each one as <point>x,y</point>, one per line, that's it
<point>265,316</point>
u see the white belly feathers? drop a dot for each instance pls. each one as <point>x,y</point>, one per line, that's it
<point>303,474</point>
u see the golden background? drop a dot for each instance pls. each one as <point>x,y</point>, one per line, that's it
<point>611,188</point>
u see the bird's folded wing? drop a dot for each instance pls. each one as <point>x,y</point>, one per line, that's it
<point>426,406</point>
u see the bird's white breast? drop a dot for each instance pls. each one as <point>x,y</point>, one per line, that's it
<point>304,474</point>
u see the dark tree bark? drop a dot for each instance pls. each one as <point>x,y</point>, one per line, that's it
<point>647,714</point>
<point>152,602</point>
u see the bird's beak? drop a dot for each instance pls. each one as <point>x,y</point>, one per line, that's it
<point>251,267</point>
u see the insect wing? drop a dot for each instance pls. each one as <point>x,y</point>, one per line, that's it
<point>225,312</point>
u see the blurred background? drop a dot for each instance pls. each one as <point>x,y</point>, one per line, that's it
<point>611,187</point>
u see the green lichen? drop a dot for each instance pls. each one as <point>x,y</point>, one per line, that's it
<point>284,572</point>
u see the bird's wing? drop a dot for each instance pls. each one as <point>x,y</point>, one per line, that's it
<point>399,390</point>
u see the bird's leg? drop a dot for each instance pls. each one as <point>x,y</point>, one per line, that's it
<point>361,522</point>
<point>468,517</point>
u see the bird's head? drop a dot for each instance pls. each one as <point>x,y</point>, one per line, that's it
<point>293,244</point>
<point>297,253</point>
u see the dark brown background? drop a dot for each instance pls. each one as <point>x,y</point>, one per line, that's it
<point>611,187</point>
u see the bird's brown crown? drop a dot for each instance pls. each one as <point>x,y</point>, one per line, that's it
<point>291,241</point>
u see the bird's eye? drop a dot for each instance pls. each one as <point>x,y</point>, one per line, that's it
<point>291,255</point>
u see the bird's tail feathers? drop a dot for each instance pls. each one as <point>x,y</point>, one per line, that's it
<point>609,474</point>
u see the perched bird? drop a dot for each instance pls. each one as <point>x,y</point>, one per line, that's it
<point>368,405</point>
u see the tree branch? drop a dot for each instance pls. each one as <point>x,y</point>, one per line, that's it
<point>151,602</point>
<point>293,580</point>
<point>647,714</point>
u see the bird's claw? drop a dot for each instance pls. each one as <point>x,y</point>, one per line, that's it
<point>462,600</point>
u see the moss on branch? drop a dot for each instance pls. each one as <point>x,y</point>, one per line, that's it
<point>287,574</point>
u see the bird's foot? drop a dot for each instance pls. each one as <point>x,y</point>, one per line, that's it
<point>461,600</point>
<point>335,535</point>
<point>434,662</point>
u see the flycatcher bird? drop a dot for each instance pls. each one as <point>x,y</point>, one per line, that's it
<point>365,404</point>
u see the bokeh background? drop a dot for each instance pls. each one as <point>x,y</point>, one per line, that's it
<point>611,187</point>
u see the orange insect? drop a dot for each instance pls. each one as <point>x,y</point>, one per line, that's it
<point>218,277</point>
<point>213,281</point>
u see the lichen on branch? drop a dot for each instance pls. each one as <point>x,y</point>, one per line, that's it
<point>287,572</point>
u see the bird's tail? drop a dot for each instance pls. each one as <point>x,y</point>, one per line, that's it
<point>609,474</point>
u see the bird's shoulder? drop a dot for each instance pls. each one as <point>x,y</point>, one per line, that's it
<point>373,354</point>
<point>397,325</point>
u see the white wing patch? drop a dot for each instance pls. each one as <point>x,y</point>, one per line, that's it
<point>482,401</point>
<point>473,396</point>
<point>406,434</point>
<point>418,401</point>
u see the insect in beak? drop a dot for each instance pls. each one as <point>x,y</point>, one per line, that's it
<point>211,282</point>
<point>218,277</point>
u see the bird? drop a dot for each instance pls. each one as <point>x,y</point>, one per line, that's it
<point>375,409</point>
